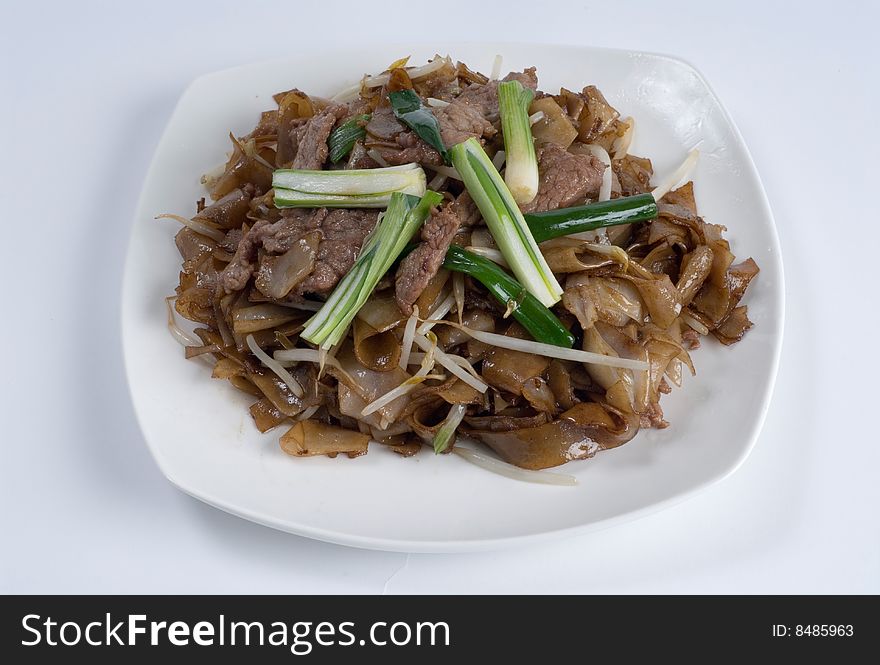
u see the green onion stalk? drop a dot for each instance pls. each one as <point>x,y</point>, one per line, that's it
<point>405,214</point>
<point>521,170</point>
<point>354,188</point>
<point>343,138</point>
<point>565,221</point>
<point>408,108</point>
<point>542,324</point>
<point>505,221</point>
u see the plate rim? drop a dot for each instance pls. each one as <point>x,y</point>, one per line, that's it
<point>468,544</point>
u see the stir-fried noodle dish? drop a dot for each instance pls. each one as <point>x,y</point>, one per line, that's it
<point>435,256</point>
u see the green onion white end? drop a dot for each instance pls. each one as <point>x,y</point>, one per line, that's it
<point>521,175</point>
<point>355,188</point>
<point>505,221</point>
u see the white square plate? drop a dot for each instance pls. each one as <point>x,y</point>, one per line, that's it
<point>201,434</point>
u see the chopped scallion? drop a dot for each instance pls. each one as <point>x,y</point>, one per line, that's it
<point>343,138</point>
<point>355,188</point>
<point>505,221</point>
<point>404,216</point>
<point>521,174</point>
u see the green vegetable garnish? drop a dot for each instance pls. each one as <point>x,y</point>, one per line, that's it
<point>565,221</point>
<point>343,138</point>
<point>521,170</point>
<point>505,221</point>
<point>542,324</point>
<point>408,108</point>
<point>355,188</point>
<point>404,216</point>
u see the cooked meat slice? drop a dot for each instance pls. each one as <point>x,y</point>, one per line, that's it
<point>565,179</point>
<point>460,121</point>
<point>410,148</point>
<point>528,77</point>
<point>232,240</point>
<point>293,224</point>
<point>342,234</point>
<point>236,274</point>
<point>311,138</point>
<point>485,97</point>
<point>466,209</point>
<point>384,125</point>
<point>420,265</point>
<point>359,159</point>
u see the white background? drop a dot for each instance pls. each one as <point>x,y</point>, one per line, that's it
<point>87,88</point>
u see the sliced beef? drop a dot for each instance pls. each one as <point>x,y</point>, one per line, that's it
<point>342,234</point>
<point>294,222</point>
<point>384,126</point>
<point>410,148</point>
<point>466,210</point>
<point>565,179</point>
<point>485,97</point>
<point>232,240</point>
<point>311,138</point>
<point>359,159</point>
<point>236,274</point>
<point>419,266</point>
<point>460,121</point>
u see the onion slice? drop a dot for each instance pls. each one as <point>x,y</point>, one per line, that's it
<point>308,413</point>
<point>273,365</point>
<point>489,253</point>
<point>437,182</point>
<point>350,93</point>
<point>602,155</point>
<point>376,156</point>
<point>510,471</point>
